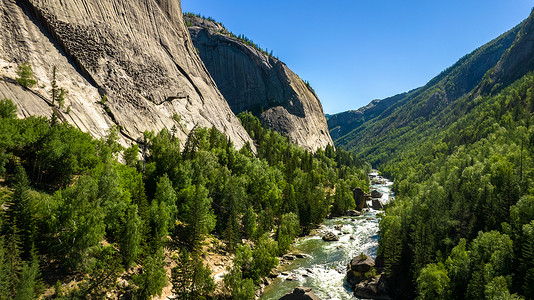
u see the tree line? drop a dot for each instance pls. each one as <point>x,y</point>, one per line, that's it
<point>461,226</point>
<point>85,210</point>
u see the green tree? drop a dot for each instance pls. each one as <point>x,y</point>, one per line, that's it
<point>131,236</point>
<point>288,230</point>
<point>29,283</point>
<point>264,257</point>
<point>8,110</point>
<point>433,282</point>
<point>152,278</point>
<point>249,222</point>
<point>238,280</point>
<point>196,214</point>
<point>25,75</point>
<point>190,278</point>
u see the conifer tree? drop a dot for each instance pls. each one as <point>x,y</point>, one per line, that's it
<point>25,75</point>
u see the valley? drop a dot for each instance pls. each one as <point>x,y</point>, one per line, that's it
<point>147,153</point>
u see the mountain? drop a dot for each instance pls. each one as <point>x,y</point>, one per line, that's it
<point>363,130</point>
<point>461,152</point>
<point>253,80</point>
<point>125,63</point>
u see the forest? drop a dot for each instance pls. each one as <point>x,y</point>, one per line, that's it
<point>462,225</point>
<point>89,218</point>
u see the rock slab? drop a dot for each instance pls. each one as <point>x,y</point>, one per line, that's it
<point>301,293</point>
<point>252,80</point>
<point>138,54</point>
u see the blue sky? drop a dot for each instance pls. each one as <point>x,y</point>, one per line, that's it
<point>354,51</point>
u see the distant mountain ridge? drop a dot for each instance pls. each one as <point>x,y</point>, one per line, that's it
<point>363,130</point>
<point>253,80</point>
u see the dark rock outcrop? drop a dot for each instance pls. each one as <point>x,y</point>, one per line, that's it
<point>362,279</point>
<point>252,80</point>
<point>301,293</point>
<point>137,53</point>
<point>360,199</point>
<point>376,194</point>
<point>373,288</point>
<point>361,264</point>
<point>376,204</point>
<point>352,213</point>
<point>330,237</point>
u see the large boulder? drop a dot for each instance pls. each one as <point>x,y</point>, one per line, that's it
<point>301,293</point>
<point>352,213</point>
<point>359,198</point>
<point>361,263</point>
<point>373,288</point>
<point>330,237</point>
<point>376,204</point>
<point>376,194</point>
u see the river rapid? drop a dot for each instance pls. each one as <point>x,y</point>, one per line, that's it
<point>325,266</point>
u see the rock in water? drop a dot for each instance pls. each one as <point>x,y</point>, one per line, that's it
<point>301,293</point>
<point>252,80</point>
<point>138,54</point>
<point>373,288</point>
<point>376,204</point>
<point>361,263</point>
<point>360,198</point>
<point>376,194</point>
<point>330,237</point>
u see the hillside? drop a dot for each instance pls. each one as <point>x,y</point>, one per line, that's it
<point>460,150</point>
<point>122,63</point>
<point>365,130</point>
<point>253,80</point>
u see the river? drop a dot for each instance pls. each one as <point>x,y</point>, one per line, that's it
<point>326,265</point>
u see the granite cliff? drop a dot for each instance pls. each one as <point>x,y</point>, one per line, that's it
<point>251,79</point>
<point>125,63</point>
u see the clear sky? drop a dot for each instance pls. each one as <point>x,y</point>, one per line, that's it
<point>354,51</point>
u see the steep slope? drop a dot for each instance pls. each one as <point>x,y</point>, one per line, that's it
<point>138,54</point>
<point>464,187</point>
<point>402,113</point>
<point>251,79</point>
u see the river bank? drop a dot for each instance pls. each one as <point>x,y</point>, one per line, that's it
<point>325,265</point>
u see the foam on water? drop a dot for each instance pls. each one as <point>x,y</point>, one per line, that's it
<point>325,268</point>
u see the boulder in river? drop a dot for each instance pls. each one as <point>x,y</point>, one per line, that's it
<point>376,194</point>
<point>361,263</point>
<point>360,198</point>
<point>376,204</point>
<point>373,288</point>
<point>330,237</point>
<point>301,293</point>
<point>352,213</point>
<point>288,257</point>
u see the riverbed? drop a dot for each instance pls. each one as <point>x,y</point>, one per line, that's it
<point>325,266</point>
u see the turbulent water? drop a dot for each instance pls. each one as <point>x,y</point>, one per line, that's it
<point>325,268</point>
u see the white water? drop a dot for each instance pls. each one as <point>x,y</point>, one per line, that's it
<point>324,271</point>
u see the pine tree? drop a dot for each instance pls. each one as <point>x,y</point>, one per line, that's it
<point>190,278</point>
<point>25,75</point>
<point>21,209</point>
<point>152,279</point>
<point>29,283</point>
<point>131,236</point>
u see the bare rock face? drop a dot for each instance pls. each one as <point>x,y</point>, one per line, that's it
<point>138,54</point>
<point>255,81</point>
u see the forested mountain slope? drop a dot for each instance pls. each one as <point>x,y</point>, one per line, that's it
<point>462,224</point>
<point>394,117</point>
<point>253,80</point>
